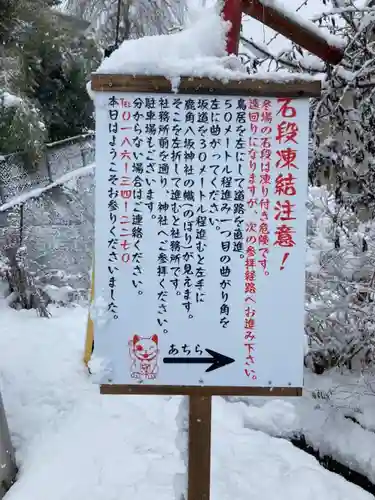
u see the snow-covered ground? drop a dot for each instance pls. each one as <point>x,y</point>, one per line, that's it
<point>72,443</point>
<point>324,417</point>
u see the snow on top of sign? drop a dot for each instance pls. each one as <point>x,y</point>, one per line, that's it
<point>278,5</point>
<point>198,50</point>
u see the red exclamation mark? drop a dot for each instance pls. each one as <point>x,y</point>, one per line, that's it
<point>283,261</point>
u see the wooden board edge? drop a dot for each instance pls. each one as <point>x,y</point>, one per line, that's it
<point>295,88</point>
<point>165,390</point>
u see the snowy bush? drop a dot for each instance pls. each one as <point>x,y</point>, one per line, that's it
<point>24,289</point>
<point>61,295</point>
<point>21,292</point>
<point>21,126</point>
<point>340,307</point>
<point>56,285</point>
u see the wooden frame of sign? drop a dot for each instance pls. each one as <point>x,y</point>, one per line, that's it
<point>200,397</point>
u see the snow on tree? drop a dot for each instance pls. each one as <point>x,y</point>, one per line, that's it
<point>340,307</point>
<point>21,125</point>
<point>117,20</point>
<point>340,277</point>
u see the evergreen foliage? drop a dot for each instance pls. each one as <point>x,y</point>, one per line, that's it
<point>44,65</point>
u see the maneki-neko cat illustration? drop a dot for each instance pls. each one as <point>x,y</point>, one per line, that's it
<point>144,353</point>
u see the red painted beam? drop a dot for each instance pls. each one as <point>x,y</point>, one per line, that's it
<point>232,11</point>
<point>301,34</point>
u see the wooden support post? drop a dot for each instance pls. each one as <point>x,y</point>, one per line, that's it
<point>199,470</point>
<point>232,11</point>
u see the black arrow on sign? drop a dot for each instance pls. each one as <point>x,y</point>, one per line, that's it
<point>217,360</point>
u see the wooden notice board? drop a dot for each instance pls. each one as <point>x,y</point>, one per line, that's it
<point>200,242</point>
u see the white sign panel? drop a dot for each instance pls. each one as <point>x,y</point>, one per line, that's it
<point>200,239</point>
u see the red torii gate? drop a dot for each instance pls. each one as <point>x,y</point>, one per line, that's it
<point>281,22</point>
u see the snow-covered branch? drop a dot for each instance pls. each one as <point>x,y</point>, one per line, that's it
<point>262,51</point>
<point>306,34</point>
<point>341,11</point>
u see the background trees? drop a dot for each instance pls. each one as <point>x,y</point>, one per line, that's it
<point>340,297</point>
<point>44,64</point>
<point>45,61</point>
